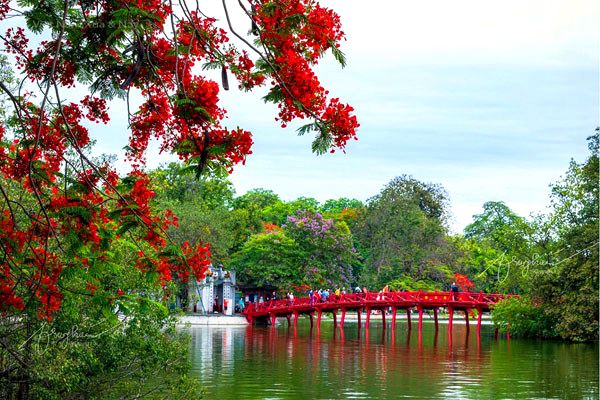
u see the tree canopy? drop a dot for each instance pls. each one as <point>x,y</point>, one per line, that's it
<point>402,232</point>
<point>561,280</point>
<point>79,235</point>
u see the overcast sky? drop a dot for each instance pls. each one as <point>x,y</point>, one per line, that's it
<point>489,99</point>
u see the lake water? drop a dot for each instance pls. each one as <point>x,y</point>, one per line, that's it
<point>283,363</point>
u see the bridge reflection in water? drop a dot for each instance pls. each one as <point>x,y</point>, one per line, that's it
<point>286,363</point>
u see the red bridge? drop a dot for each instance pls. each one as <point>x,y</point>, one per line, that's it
<point>407,301</point>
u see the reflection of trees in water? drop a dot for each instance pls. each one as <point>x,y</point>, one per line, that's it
<point>262,362</point>
<point>213,351</point>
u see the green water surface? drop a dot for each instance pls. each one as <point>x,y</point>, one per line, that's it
<point>283,363</point>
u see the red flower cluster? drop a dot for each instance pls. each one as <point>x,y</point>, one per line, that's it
<point>340,122</point>
<point>158,9</point>
<point>16,43</point>
<point>298,32</point>
<point>194,261</point>
<point>45,63</point>
<point>44,281</point>
<point>199,36</point>
<point>4,8</point>
<point>463,282</point>
<point>96,109</point>
<point>270,227</point>
<point>197,258</point>
<point>198,105</point>
<point>118,46</point>
<point>8,298</point>
<point>243,69</point>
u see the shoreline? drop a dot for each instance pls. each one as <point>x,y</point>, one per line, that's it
<point>240,320</point>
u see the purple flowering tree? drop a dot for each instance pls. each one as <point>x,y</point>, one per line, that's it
<point>330,254</point>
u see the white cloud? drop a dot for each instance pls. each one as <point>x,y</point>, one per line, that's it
<point>490,99</point>
<point>512,31</point>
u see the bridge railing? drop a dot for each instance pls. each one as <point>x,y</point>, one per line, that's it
<point>373,298</point>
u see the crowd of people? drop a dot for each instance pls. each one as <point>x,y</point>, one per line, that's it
<point>316,296</point>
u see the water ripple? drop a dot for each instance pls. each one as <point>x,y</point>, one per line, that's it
<point>260,363</point>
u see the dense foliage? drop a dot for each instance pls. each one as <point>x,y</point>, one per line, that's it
<point>90,256</point>
<point>561,278</point>
<point>82,243</point>
<point>403,233</point>
<point>399,238</point>
<point>307,250</point>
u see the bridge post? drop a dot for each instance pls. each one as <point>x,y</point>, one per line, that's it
<point>343,318</point>
<point>450,318</point>
<point>420,310</point>
<point>289,317</point>
<point>435,318</point>
<point>368,311</point>
<point>358,312</point>
<point>311,315</point>
<point>479,315</point>
<point>394,317</point>
<point>319,313</point>
<point>295,319</point>
<point>273,319</point>
<point>334,319</point>
<point>408,318</point>
<point>467,319</point>
<point>383,318</point>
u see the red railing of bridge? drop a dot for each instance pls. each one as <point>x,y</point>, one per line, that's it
<point>353,301</point>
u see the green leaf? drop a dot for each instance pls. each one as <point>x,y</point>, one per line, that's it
<point>183,101</point>
<point>304,129</point>
<point>108,312</point>
<point>170,250</point>
<point>338,54</point>
<point>78,211</point>
<point>204,112</point>
<point>115,213</point>
<point>127,226</point>
<point>212,65</point>
<point>275,95</point>
<point>322,143</point>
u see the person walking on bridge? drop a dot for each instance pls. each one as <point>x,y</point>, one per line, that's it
<point>454,290</point>
<point>317,296</point>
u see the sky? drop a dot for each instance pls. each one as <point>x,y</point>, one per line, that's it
<point>489,99</point>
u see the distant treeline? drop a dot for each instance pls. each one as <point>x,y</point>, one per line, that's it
<point>400,237</point>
